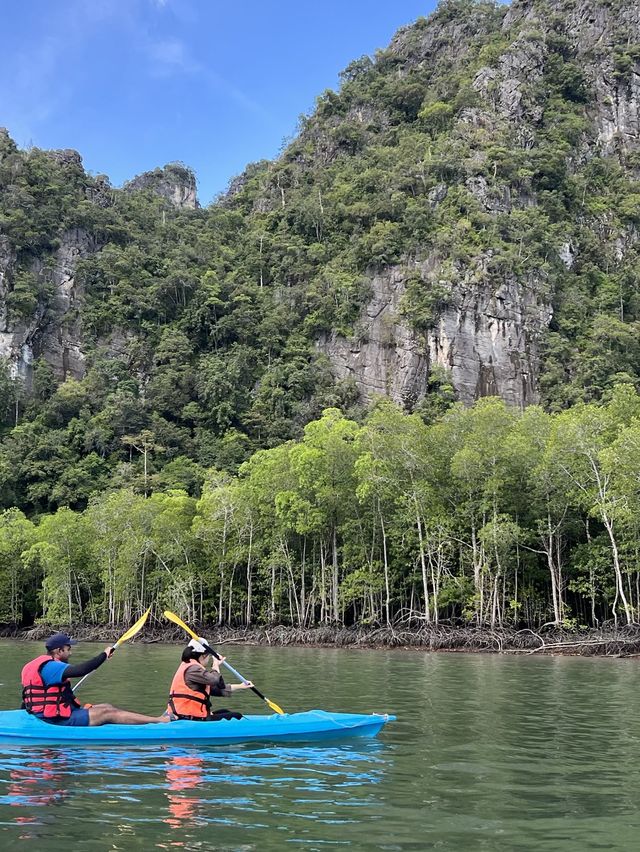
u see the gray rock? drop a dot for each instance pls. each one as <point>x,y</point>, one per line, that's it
<point>487,338</point>
<point>174,182</point>
<point>61,343</point>
<point>595,30</point>
<point>386,358</point>
<point>437,195</point>
<point>567,255</point>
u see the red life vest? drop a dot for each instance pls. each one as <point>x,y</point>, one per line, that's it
<point>51,702</point>
<point>185,702</point>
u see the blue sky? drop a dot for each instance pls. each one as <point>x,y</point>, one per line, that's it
<point>134,84</point>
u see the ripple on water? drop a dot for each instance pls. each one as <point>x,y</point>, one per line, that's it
<point>489,753</point>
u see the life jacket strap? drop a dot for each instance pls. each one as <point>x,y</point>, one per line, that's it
<point>204,701</point>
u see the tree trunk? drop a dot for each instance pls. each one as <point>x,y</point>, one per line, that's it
<point>618,572</point>
<point>323,585</point>
<point>334,579</point>
<point>477,576</point>
<point>249,576</point>
<point>272,594</point>
<point>303,591</point>
<point>387,593</point>
<point>423,565</point>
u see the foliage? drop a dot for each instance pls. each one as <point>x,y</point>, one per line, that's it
<point>484,514</point>
<point>200,330</point>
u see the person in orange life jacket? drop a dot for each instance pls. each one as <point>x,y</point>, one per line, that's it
<point>193,685</point>
<point>47,693</point>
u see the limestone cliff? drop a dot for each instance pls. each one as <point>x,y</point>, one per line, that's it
<point>487,338</point>
<point>434,159</point>
<point>488,334</point>
<point>174,182</point>
<point>54,330</point>
<point>56,337</point>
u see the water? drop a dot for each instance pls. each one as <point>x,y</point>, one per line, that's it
<point>488,753</point>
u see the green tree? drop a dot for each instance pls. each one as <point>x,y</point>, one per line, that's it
<point>17,534</point>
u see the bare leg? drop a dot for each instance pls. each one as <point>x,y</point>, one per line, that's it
<point>106,714</point>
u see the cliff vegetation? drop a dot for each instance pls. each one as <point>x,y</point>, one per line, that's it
<point>391,374</point>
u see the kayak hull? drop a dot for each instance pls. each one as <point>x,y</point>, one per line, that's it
<point>17,727</point>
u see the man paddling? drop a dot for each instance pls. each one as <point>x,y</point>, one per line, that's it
<point>47,692</point>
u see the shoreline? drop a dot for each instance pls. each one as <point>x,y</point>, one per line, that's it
<point>607,641</point>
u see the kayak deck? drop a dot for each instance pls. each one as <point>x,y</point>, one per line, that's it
<point>17,727</point>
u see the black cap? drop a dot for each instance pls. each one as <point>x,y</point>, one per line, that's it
<point>59,640</point>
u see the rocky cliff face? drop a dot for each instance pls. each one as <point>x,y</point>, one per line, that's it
<point>487,329</point>
<point>488,334</point>
<point>599,34</point>
<point>174,182</point>
<point>385,357</point>
<point>57,337</point>
<point>487,338</point>
<point>54,331</point>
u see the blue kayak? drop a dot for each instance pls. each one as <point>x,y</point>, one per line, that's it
<point>17,727</point>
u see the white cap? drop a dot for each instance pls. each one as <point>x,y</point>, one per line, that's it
<point>197,646</point>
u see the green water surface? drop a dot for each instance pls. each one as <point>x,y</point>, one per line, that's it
<point>488,753</point>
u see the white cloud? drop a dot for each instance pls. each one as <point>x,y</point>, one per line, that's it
<point>169,55</point>
<point>37,83</point>
<point>31,87</point>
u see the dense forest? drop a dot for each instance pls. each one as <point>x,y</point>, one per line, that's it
<point>208,458</point>
<point>487,514</point>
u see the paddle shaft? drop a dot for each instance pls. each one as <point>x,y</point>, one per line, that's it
<point>129,634</point>
<point>82,679</point>
<point>236,673</point>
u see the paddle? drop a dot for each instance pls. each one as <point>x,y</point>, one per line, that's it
<point>176,620</point>
<point>131,632</point>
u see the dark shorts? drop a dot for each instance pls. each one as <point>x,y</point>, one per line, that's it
<point>78,719</point>
<point>224,715</point>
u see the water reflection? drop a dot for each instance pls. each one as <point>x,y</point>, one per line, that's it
<point>35,783</point>
<point>38,781</point>
<point>488,753</point>
<point>186,795</point>
<point>184,773</point>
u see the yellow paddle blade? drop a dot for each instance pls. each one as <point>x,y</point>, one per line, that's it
<point>176,620</point>
<point>137,627</point>
<point>275,707</point>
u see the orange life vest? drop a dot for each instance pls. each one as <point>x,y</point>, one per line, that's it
<point>51,702</point>
<point>185,702</point>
